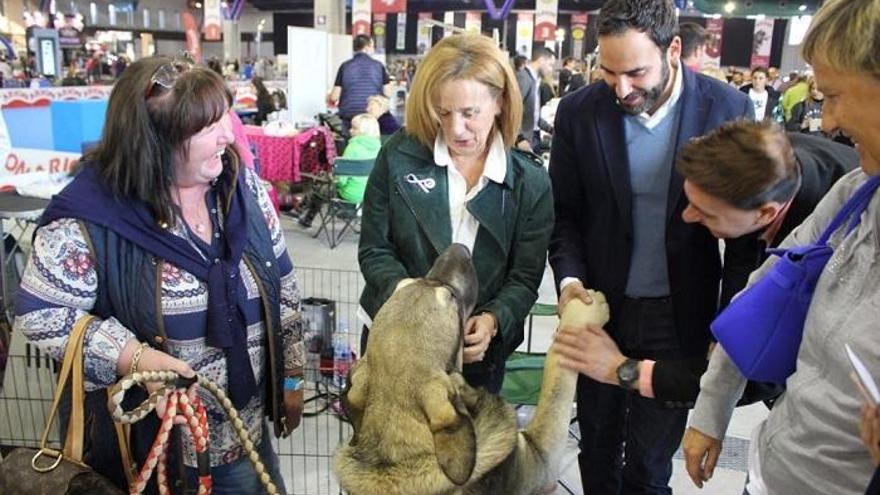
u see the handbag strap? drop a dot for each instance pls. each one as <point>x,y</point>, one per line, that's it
<point>852,209</point>
<point>123,432</point>
<point>72,363</point>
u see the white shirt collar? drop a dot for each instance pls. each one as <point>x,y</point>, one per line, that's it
<point>495,167</point>
<point>651,121</point>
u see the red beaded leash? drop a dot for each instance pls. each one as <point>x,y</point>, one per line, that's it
<point>177,404</point>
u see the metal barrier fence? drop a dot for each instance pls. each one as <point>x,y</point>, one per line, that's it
<point>306,456</point>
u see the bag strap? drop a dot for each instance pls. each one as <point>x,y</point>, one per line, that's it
<point>71,363</point>
<point>853,209</point>
<point>123,434</point>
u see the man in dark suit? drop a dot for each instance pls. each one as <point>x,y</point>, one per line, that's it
<point>529,80</point>
<point>618,202</point>
<point>750,184</point>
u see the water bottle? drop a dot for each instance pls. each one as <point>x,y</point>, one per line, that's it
<point>341,356</point>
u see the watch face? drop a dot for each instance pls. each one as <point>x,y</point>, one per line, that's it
<point>628,372</point>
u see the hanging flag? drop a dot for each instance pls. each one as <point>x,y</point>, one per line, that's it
<point>712,55</point>
<point>545,19</point>
<point>212,20</point>
<point>578,34</point>
<point>401,32</point>
<point>360,17</point>
<point>379,23</point>
<point>448,19</point>
<point>423,40</point>
<point>473,22</point>
<point>388,6</point>
<point>525,25</point>
<point>761,42</point>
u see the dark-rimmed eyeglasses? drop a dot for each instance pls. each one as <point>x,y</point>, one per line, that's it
<point>166,74</point>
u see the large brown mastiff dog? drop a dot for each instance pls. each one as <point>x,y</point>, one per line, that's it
<point>419,428</point>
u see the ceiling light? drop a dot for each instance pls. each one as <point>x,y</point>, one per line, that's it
<point>802,8</point>
<point>729,7</point>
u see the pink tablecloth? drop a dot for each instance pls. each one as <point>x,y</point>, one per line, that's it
<point>275,154</point>
<point>281,158</point>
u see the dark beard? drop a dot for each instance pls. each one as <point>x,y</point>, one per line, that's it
<point>650,96</point>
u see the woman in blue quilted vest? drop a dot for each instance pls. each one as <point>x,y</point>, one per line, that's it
<point>176,248</point>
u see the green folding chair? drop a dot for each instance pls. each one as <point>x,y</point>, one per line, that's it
<point>339,215</point>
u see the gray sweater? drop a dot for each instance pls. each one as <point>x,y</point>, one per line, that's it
<point>810,442</point>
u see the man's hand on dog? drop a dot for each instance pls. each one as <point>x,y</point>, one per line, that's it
<point>478,333</point>
<point>589,350</point>
<point>573,290</point>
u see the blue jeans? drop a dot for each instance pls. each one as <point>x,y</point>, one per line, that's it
<point>627,441</point>
<point>239,477</point>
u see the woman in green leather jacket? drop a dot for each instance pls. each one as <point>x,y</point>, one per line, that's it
<point>452,176</point>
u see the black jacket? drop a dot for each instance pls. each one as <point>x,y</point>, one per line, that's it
<point>593,236</point>
<point>822,162</point>
<point>773,98</point>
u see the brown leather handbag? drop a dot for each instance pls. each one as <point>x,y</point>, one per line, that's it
<point>46,471</point>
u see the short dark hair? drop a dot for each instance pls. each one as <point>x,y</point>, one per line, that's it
<point>744,163</point>
<point>148,127</point>
<point>656,18</point>
<point>542,52</point>
<point>361,41</point>
<point>568,60</point>
<point>693,36</point>
<point>762,70</point>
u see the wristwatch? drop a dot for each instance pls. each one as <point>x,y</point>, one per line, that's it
<point>628,374</point>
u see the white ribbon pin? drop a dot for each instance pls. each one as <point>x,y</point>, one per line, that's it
<point>425,184</point>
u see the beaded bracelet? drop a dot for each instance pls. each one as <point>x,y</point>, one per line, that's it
<point>135,360</point>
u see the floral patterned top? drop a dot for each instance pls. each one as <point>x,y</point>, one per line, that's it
<point>60,285</point>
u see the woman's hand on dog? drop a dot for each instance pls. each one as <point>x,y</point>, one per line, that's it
<point>478,333</point>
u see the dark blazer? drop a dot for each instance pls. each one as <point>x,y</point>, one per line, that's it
<point>404,229</point>
<point>564,78</point>
<point>822,163</point>
<point>593,236</point>
<point>527,87</point>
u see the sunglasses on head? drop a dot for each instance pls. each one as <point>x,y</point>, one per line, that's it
<point>166,74</point>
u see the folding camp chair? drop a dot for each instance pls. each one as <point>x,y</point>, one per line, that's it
<point>336,209</point>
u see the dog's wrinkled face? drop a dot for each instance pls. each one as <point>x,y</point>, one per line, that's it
<point>434,307</point>
<point>409,370</point>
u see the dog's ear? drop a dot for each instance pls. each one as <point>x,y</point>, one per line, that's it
<point>455,441</point>
<point>354,398</point>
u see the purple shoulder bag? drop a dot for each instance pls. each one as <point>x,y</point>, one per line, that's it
<point>761,329</point>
